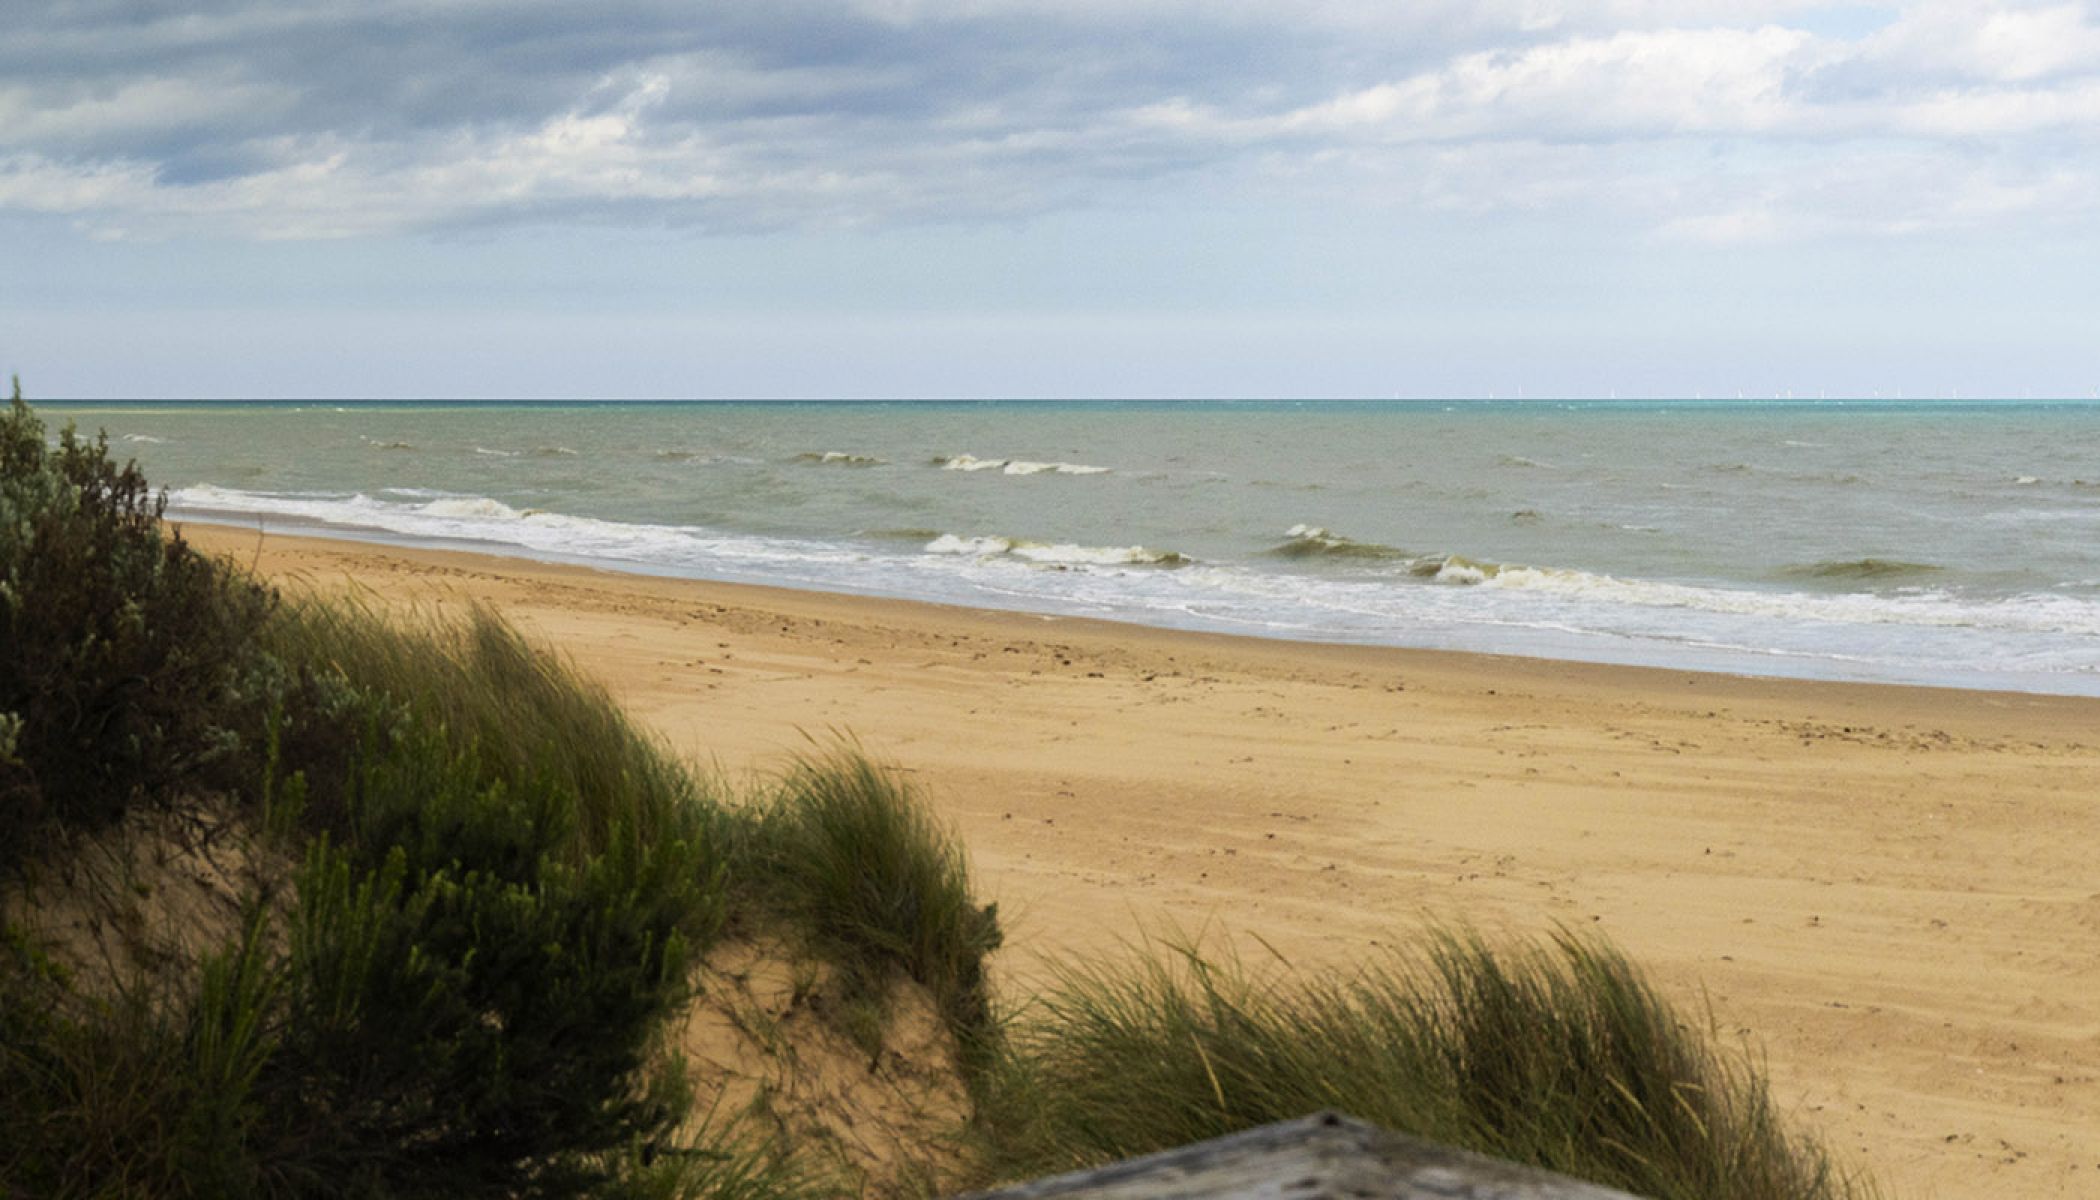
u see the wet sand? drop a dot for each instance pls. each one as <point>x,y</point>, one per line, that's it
<point>1894,891</point>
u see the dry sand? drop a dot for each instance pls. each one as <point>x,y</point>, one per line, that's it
<point>1895,891</point>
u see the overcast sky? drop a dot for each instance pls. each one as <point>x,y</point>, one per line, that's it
<point>659,198</point>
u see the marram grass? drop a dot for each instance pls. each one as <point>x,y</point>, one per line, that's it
<point>845,850</point>
<point>1558,1055</point>
<point>528,714</point>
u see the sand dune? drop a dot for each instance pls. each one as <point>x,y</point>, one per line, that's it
<point>1892,890</point>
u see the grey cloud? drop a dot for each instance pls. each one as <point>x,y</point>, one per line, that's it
<point>305,119</point>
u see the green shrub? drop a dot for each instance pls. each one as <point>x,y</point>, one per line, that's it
<point>1560,1057</point>
<point>844,850</point>
<point>129,671</point>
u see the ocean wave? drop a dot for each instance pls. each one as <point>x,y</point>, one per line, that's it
<point>1054,554</point>
<point>145,439</point>
<point>386,443</point>
<point>1518,460</point>
<point>490,453</point>
<point>553,452</point>
<point>1860,569</point>
<point>1013,466</point>
<point>1454,568</point>
<point>839,458</point>
<point>708,458</point>
<point>1313,541</point>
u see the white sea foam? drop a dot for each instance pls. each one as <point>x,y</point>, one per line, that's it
<point>484,519</point>
<point>1056,554</point>
<point>2034,613</point>
<point>1019,467</point>
<point>145,439</point>
<point>472,507</point>
<point>1016,466</point>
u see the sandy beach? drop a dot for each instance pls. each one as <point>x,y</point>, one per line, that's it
<point>1891,890</point>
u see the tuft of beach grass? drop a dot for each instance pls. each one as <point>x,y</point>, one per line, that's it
<point>1558,1054</point>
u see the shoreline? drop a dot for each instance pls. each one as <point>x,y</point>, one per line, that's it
<point>784,595</point>
<point>319,531</point>
<point>1887,886</point>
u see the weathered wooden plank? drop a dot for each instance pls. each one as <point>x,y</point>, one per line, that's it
<point>1325,1156</point>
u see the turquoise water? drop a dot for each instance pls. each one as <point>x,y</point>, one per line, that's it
<point>1952,543</point>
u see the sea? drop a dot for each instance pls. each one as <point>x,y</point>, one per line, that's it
<point>1945,543</point>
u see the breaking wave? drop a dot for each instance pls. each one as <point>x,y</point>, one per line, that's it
<point>1860,569</point>
<point>1313,541</point>
<point>839,458</point>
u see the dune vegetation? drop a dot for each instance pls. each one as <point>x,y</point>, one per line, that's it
<point>303,898</point>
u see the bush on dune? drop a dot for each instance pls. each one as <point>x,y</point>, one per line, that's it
<point>473,1019</point>
<point>129,671</point>
<point>463,1011</point>
<point>459,992</point>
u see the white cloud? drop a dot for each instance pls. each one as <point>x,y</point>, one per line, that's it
<point>1987,40</point>
<point>1660,82</point>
